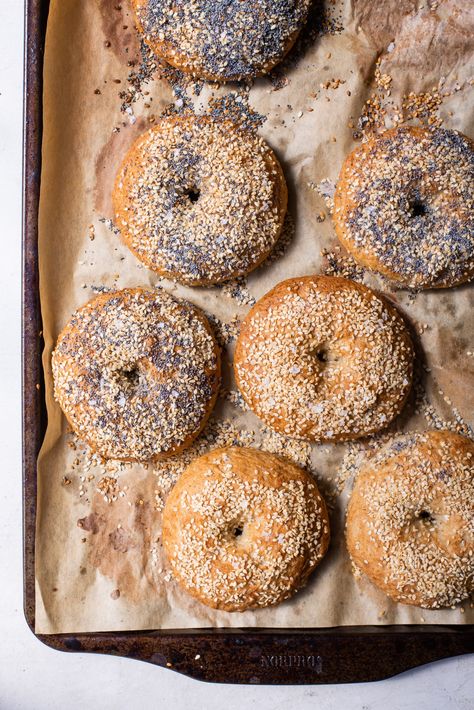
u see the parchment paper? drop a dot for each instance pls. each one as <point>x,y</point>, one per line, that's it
<point>99,563</point>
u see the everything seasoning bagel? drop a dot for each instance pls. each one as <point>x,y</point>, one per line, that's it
<point>200,201</point>
<point>404,206</point>
<point>136,373</point>
<point>221,41</point>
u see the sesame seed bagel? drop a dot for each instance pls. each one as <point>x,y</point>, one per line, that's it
<point>410,520</point>
<point>221,40</point>
<point>324,359</point>
<point>136,373</point>
<point>244,529</point>
<point>200,201</point>
<point>404,206</point>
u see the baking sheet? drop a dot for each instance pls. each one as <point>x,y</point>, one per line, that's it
<point>99,564</point>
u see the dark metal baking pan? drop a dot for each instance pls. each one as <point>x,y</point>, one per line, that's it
<point>292,656</point>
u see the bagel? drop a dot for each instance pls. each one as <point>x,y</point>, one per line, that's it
<point>221,41</point>
<point>136,372</point>
<point>200,201</point>
<point>324,359</point>
<point>410,519</point>
<point>404,206</point>
<point>244,529</point>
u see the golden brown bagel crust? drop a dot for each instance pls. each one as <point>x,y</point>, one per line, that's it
<point>200,201</point>
<point>324,359</point>
<point>404,206</point>
<point>410,520</point>
<point>136,373</point>
<point>244,529</point>
<point>221,41</point>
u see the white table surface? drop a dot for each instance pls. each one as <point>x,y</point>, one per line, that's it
<point>34,677</point>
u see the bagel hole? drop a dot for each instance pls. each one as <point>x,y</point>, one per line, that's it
<point>193,195</point>
<point>129,378</point>
<point>425,516</point>
<point>321,354</point>
<point>417,208</point>
<point>238,530</point>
